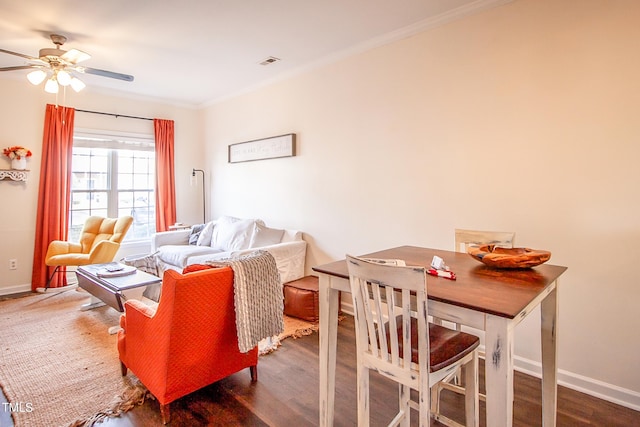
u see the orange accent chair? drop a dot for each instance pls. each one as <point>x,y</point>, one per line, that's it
<point>189,341</point>
<point>99,242</point>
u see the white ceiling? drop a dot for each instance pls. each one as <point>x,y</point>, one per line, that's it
<point>193,52</point>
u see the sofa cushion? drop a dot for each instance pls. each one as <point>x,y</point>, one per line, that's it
<point>265,236</point>
<point>195,233</point>
<point>232,234</point>
<point>205,258</point>
<point>204,239</point>
<point>179,255</point>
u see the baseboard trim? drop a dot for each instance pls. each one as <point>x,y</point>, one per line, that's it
<point>17,289</point>
<point>71,280</point>
<point>605,391</point>
<point>596,388</point>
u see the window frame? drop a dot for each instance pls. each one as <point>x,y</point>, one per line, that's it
<point>112,141</point>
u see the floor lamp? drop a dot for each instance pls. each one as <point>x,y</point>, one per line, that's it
<point>193,175</point>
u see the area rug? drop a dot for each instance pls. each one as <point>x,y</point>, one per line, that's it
<point>293,328</point>
<point>58,365</point>
<point>297,328</point>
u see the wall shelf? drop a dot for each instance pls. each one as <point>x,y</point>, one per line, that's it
<point>13,174</point>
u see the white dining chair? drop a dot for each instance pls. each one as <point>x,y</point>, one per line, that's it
<point>394,338</point>
<point>463,239</point>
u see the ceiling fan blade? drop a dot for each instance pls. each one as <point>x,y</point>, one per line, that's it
<point>21,55</point>
<point>104,73</point>
<point>74,56</point>
<point>18,67</point>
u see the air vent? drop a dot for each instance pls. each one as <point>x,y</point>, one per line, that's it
<point>269,60</point>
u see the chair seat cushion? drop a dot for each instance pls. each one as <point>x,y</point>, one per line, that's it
<point>71,259</point>
<point>447,345</point>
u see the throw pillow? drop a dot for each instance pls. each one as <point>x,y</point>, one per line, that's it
<point>195,233</point>
<point>231,234</point>
<point>205,235</point>
<point>265,236</point>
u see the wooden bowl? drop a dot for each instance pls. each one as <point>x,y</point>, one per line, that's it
<point>494,256</point>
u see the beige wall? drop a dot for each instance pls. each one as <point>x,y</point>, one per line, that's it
<point>522,118</point>
<point>21,123</point>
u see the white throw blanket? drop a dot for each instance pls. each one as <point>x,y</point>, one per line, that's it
<point>258,297</point>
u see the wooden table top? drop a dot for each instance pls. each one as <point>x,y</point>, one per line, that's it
<point>489,290</point>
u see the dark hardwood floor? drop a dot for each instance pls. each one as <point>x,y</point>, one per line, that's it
<point>286,395</point>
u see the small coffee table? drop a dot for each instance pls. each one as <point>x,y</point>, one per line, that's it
<point>113,290</point>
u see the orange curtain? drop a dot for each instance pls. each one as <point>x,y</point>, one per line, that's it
<point>165,174</point>
<point>54,195</point>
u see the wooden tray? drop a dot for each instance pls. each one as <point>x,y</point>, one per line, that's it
<point>494,256</point>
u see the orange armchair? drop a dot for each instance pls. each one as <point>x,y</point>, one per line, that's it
<point>99,241</point>
<point>189,341</point>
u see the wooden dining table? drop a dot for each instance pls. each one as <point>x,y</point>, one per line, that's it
<point>485,298</point>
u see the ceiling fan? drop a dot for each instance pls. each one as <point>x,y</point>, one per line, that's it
<point>58,65</point>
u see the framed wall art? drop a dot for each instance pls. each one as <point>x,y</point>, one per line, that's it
<point>265,148</point>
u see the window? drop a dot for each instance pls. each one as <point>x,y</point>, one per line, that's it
<point>113,176</point>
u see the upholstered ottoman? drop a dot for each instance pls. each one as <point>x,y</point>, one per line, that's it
<point>301,298</point>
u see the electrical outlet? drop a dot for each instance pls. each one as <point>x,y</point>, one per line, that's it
<point>13,264</point>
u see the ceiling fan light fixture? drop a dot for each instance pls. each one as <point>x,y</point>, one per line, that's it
<point>36,77</point>
<point>51,86</point>
<point>57,67</point>
<point>77,84</point>
<point>63,77</point>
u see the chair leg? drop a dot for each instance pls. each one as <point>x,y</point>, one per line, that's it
<point>404,394</point>
<point>471,402</point>
<point>164,413</point>
<point>123,369</point>
<point>48,287</point>
<point>254,373</point>
<point>424,400</point>
<point>457,378</point>
<point>435,399</point>
<point>363,395</point>
<point>55,270</point>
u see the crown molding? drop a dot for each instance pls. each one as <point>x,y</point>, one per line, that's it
<point>393,36</point>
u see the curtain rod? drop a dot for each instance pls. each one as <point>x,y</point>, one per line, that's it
<point>114,115</point>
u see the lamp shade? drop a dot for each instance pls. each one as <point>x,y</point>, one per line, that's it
<point>36,77</point>
<point>51,86</point>
<point>77,84</point>
<point>63,77</point>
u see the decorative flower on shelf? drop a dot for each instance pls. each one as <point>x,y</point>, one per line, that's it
<point>17,152</point>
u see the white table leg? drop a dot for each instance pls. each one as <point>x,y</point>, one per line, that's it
<point>549,328</point>
<point>93,303</point>
<point>499,371</point>
<point>328,302</point>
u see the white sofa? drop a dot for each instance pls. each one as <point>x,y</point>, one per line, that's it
<point>229,237</point>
